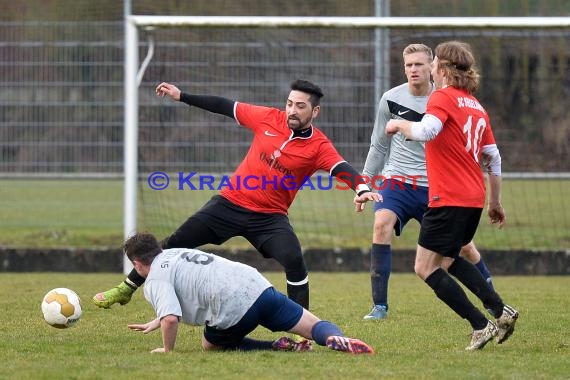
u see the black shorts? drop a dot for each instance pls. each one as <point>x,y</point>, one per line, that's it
<point>228,220</point>
<point>219,220</point>
<point>446,229</point>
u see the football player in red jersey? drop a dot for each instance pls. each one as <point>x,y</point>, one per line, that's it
<point>396,158</point>
<point>286,149</point>
<point>458,134</point>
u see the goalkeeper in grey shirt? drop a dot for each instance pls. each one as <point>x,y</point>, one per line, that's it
<point>229,299</point>
<point>400,166</point>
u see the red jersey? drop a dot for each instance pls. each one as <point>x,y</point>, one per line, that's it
<point>277,163</point>
<point>453,157</point>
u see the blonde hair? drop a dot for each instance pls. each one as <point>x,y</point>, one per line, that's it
<point>457,60</point>
<point>418,48</point>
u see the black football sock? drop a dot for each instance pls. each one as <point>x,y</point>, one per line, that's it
<point>449,291</point>
<point>134,280</point>
<point>469,276</point>
<point>299,293</point>
<point>248,344</point>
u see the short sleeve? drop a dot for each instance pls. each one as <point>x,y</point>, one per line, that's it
<point>252,116</point>
<point>436,106</point>
<point>328,157</point>
<point>162,297</point>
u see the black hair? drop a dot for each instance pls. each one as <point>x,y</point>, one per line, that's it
<point>142,247</point>
<point>307,87</point>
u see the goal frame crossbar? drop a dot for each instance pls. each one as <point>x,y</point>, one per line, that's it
<point>349,22</point>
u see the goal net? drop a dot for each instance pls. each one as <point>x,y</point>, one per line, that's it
<point>523,62</point>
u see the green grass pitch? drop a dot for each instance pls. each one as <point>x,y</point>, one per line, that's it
<point>421,339</point>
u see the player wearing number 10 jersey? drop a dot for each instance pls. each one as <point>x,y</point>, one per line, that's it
<point>452,158</point>
<point>397,157</point>
<point>458,134</point>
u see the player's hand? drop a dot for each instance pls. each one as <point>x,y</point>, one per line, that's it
<point>145,327</point>
<point>392,127</point>
<point>360,200</point>
<point>497,215</point>
<point>167,89</point>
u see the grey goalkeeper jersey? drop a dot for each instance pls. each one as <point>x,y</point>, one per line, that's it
<point>202,288</point>
<point>393,155</point>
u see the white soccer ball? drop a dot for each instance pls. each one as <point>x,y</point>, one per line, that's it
<point>61,308</point>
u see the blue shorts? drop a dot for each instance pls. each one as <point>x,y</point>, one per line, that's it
<point>272,310</point>
<point>403,199</point>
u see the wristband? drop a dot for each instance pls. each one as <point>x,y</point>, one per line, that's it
<point>361,189</point>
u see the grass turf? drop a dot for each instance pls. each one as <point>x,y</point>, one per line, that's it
<point>421,339</point>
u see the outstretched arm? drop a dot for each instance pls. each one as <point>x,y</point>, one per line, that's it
<point>425,130</point>
<point>145,327</point>
<point>168,326</point>
<point>216,104</point>
<point>167,89</point>
<point>359,183</point>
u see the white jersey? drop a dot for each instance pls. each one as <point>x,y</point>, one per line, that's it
<point>202,288</point>
<point>394,155</point>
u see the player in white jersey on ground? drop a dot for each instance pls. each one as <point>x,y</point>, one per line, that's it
<point>402,163</point>
<point>229,298</point>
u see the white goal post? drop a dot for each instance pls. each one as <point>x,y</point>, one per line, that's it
<point>132,73</point>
